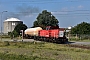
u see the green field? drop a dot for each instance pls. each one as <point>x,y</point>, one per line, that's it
<point>41,51</point>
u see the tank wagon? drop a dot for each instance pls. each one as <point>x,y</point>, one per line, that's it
<point>31,32</point>
<point>51,34</point>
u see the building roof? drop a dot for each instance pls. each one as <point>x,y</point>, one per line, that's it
<point>12,19</point>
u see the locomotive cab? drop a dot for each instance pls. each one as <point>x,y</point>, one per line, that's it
<point>55,29</point>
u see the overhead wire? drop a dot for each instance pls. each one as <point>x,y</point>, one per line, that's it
<point>43,1</point>
<point>69,12</point>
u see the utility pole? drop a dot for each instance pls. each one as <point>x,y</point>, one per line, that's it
<point>1,23</point>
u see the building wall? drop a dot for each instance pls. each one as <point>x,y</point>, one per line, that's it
<point>5,27</point>
<point>10,25</point>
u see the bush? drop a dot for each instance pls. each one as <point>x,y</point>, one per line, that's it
<point>6,43</point>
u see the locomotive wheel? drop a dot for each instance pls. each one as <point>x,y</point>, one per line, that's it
<point>44,39</point>
<point>51,40</point>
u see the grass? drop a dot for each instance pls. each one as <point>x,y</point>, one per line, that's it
<point>41,51</point>
<point>19,57</point>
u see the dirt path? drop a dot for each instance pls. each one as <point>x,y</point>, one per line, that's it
<point>79,43</point>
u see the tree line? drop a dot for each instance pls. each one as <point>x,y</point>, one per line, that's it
<point>82,28</point>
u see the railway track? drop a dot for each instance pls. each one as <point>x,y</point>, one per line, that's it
<point>79,46</point>
<point>83,45</point>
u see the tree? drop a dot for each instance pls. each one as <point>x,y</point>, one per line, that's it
<point>13,34</point>
<point>45,19</point>
<point>20,27</point>
<point>17,29</point>
<point>82,28</point>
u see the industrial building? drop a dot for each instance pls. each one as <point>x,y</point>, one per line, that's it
<point>10,24</point>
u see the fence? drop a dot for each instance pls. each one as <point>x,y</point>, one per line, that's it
<point>78,36</point>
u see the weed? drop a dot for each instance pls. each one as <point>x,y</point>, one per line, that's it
<point>6,43</point>
<point>56,54</point>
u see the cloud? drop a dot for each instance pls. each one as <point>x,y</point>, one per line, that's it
<point>61,12</point>
<point>72,7</point>
<point>29,15</point>
<point>80,6</point>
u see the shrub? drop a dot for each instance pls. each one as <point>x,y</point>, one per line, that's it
<point>6,43</point>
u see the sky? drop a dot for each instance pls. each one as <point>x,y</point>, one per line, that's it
<point>68,12</point>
